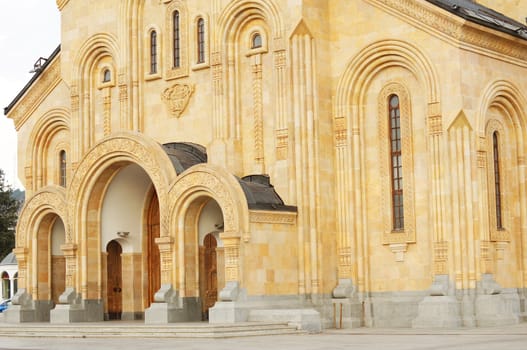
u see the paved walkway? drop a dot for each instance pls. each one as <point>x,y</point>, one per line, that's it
<point>501,338</point>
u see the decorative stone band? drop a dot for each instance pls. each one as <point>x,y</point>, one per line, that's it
<point>232,256</point>
<point>165,245</point>
<point>21,257</point>
<point>70,253</point>
<point>270,217</point>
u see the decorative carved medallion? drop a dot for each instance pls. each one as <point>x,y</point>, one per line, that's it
<point>177,97</point>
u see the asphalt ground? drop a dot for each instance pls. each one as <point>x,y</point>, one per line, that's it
<point>502,338</point>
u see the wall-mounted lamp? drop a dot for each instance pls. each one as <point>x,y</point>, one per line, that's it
<point>123,234</point>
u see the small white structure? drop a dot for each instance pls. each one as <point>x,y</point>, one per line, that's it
<point>9,274</point>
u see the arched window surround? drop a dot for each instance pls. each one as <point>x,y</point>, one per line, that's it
<point>397,180</point>
<point>148,53</point>
<point>391,232</point>
<point>200,27</point>
<point>263,48</point>
<point>200,39</point>
<point>153,52</point>
<point>176,48</point>
<point>499,231</point>
<point>63,168</point>
<point>176,39</point>
<point>106,76</point>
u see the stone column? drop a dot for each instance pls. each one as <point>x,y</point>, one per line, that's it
<point>440,308</point>
<point>230,308</point>
<point>22,308</point>
<point>168,306</point>
<point>69,308</point>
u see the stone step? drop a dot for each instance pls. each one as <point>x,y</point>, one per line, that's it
<point>135,330</point>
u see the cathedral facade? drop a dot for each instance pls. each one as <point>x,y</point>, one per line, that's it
<point>324,163</point>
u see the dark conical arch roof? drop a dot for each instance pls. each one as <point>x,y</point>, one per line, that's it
<point>259,192</point>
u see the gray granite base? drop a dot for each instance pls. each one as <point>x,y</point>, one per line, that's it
<point>438,312</point>
<point>184,310</point>
<point>85,311</point>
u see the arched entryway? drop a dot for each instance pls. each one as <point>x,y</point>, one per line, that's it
<point>152,256</point>
<point>50,261</point>
<point>130,218</point>
<point>208,274</point>
<point>114,285</point>
<point>58,261</point>
<point>210,248</point>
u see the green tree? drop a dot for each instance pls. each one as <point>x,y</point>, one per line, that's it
<point>8,216</point>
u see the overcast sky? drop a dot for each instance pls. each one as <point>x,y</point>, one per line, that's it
<point>29,29</point>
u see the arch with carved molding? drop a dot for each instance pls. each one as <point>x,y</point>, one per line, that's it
<point>502,110</point>
<point>373,59</point>
<point>90,181</point>
<point>91,51</point>
<point>39,210</point>
<point>507,97</point>
<point>49,125</point>
<point>189,193</point>
<point>239,12</point>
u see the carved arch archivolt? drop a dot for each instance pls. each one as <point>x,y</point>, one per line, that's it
<point>187,195</point>
<point>51,199</point>
<point>117,149</point>
<point>215,182</point>
<point>47,203</point>
<point>87,189</point>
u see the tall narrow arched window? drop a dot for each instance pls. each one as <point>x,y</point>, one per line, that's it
<point>396,163</point>
<point>107,76</point>
<point>177,40</point>
<point>256,41</point>
<point>153,52</point>
<point>497,184</point>
<point>62,173</point>
<point>201,40</point>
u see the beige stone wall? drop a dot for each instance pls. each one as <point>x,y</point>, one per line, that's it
<point>309,108</point>
<point>270,260</point>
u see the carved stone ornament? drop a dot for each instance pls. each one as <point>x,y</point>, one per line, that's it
<point>177,97</point>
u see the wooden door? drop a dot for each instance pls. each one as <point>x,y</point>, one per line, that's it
<point>210,286</point>
<point>154,269</point>
<point>115,281</point>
